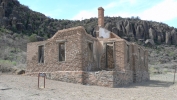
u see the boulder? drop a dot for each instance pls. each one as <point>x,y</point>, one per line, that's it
<point>174,37</point>
<point>39,38</point>
<point>129,30</point>
<point>125,22</point>
<point>124,31</point>
<point>139,32</point>
<point>115,30</point>
<point>152,34</point>
<point>119,25</point>
<point>149,42</point>
<point>121,29</point>
<point>20,71</point>
<point>146,30</point>
<point>168,38</point>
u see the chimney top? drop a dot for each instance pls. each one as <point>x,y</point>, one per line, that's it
<point>100,8</point>
<point>100,17</point>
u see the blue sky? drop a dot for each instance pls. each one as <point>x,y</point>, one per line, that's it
<point>156,10</point>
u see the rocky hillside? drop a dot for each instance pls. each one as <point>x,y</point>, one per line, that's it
<point>20,25</point>
<point>20,19</point>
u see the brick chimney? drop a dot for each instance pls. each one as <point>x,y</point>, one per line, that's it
<point>100,17</point>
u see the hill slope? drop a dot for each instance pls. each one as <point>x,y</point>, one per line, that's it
<point>19,18</point>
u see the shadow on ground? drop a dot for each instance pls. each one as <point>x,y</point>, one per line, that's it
<point>150,83</point>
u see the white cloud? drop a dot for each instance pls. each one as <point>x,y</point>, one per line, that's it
<point>54,13</point>
<point>110,5</point>
<point>163,11</point>
<point>85,14</point>
<point>119,3</point>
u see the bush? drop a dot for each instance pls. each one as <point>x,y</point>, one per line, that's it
<point>7,66</point>
<point>33,38</point>
<point>7,63</point>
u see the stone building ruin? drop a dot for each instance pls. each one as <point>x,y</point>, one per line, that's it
<point>72,55</point>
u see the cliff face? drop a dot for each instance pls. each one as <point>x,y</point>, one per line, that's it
<point>141,30</point>
<point>20,19</point>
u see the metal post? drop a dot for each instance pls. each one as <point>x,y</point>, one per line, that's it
<point>41,75</point>
<point>38,80</point>
<point>44,81</point>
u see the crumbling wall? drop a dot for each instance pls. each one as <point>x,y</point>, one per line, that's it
<point>103,61</point>
<point>143,71</point>
<point>32,56</point>
<point>146,71</point>
<point>129,60</point>
<point>99,78</point>
<point>73,53</point>
<point>88,59</point>
<point>130,57</point>
<point>110,56</point>
<point>122,78</point>
<point>120,57</point>
<point>107,57</point>
<point>140,67</point>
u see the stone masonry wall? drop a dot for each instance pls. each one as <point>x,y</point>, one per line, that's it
<point>99,78</point>
<point>73,53</point>
<point>130,57</point>
<point>88,64</point>
<point>119,55</point>
<point>139,64</point>
<point>130,61</point>
<point>67,76</point>
<point>122,78</point>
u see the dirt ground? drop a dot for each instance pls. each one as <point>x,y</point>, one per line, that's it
<point>20,87</point>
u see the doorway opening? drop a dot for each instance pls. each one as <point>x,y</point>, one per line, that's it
<point>109,55</point>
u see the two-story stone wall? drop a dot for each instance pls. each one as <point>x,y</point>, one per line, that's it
<point>73,53</point>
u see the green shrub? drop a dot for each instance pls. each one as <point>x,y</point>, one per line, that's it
<point>7,63</point>
<point>33,38</point>
<point>171,53</point>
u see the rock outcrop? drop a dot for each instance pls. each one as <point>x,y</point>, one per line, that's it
<point>173,37</point>
<point>168,38</point>
<point>152,34</point>
<point>140,30</point>
<point>20,19</point>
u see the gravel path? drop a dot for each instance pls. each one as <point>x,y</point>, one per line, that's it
<point>19,87</point>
